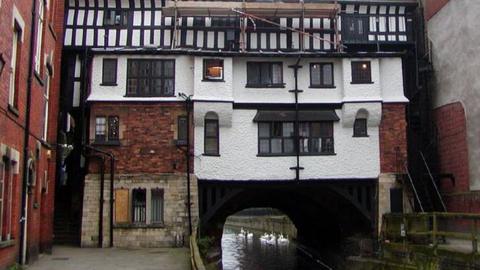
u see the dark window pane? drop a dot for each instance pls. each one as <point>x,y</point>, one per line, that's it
<point>327,74</point>
<point>264,146</point>
<point>265,72</point>
<point>304,129</point>
<point>113,128</point>
<point>168,87</point>
<point>139,205</point>
<point>132,86</point>
<point>315,145</point>
<point>276,146</point>
<point>277,128</point>
<point>169,69</point>
<point>264,130</point>
<point>157,87</point>
<point>182,128</point>
<point>361,72</point>
<point>277,73</point>
<point>144,69</point>
<point>157,206</point>
<point>211,128</point>
<point>303,145</point>
<point>253,73</point>
<point>360,128</point>
<point>211,146</point>
<point>288,146</point>
<point>109,71</point>
<point>157,68</point>
<point>288,129</point>
<point>327,145</point>
<point>315,72</point>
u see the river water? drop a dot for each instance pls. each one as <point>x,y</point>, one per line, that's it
<point>242,253</point>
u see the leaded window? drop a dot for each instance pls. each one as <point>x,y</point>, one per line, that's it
<point>321,75</point>
<point>114,17</point>
<point>264,74</point>
<point>113,125</point>
<point>150,78</point>
<point>211,138</point>
<point>139,205</point>
<point>107,129</point>
<point>278,138</point>
<point>100,128</point>
<point>182,130</point>
<point>360,127</point>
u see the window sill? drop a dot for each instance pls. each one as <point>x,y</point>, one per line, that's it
<point>39,78</point>
<point>13,110</point>
<point>213,80</point>
<point>293,155</point>
<point>361,82</point>
<point>360,136</point>
<point>211,155</point>
<point>106,143</point>
<point>7,243</point>
<point>282,85</point>
<point>323,86</point>
<point>108,84</point>
<point>139,226</point>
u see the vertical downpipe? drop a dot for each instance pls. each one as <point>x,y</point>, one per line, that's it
<point>23,219</point>
<point>296,126</point>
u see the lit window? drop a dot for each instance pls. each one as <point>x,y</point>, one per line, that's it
<point>213,69</point>
<point>100,128</point>
<point>361,72</point>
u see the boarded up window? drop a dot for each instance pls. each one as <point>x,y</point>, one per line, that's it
<point>121,206</point>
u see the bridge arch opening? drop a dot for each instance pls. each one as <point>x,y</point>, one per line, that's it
<point>326,217</point>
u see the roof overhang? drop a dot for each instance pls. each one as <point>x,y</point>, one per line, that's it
<point>290,116</point>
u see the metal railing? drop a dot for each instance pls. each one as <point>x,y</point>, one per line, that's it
<point>450,231</point>
<point>437,191</point>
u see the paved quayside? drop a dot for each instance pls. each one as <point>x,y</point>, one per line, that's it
<point>74,258</point>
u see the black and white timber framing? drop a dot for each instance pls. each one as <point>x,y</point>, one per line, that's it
<point>388,22</point>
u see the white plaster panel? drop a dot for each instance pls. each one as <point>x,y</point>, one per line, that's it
<point>350,110</point>
<point>213,90</point>
<point>224,110</point>
<point>183,79</point>
<point>361,92</point>
<point>355,157</point>
<point>391,80</point>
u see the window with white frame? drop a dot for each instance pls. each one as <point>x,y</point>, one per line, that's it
<point>6,178</point>
<point>13,93</point>
<point>46,96</point>
<point>38,48</point>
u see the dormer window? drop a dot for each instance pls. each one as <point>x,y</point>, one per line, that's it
<point>213,69</point>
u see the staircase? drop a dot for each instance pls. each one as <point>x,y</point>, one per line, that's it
<point>427,196</point>
<point>66,231</point>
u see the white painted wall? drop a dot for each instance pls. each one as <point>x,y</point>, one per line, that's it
<point>354,157</point>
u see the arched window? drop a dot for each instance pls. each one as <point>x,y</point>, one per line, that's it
<point>360,124</point>
<point>211,136</point>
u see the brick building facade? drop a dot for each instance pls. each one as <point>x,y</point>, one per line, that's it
<point>29,91</point>
<point>455,85</point>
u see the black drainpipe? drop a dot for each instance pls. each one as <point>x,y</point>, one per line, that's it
<point>23,221</point>
<point>188,108</point>
<point>297,168</point>
<point>112,177</point>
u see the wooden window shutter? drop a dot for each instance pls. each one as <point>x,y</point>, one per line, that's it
<point>121,206</point>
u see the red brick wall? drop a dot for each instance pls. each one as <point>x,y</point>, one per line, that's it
<point>12,127</point>
<point>393,138</point>
<point>147,133</point>
<point>453,157</point>
<point>433,6</point>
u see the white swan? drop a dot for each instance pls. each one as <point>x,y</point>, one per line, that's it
<point>282,239</point>
<point>249,235</point>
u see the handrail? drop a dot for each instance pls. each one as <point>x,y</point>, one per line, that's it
<point>414,189</point>
<point>433,232</point>
<point>437,191</point>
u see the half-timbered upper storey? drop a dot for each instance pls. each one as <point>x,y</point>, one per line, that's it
<point>235,26</point>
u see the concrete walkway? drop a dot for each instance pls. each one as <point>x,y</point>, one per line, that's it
<point>73,258</point>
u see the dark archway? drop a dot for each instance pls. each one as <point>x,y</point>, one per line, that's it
<point>325,213</point>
